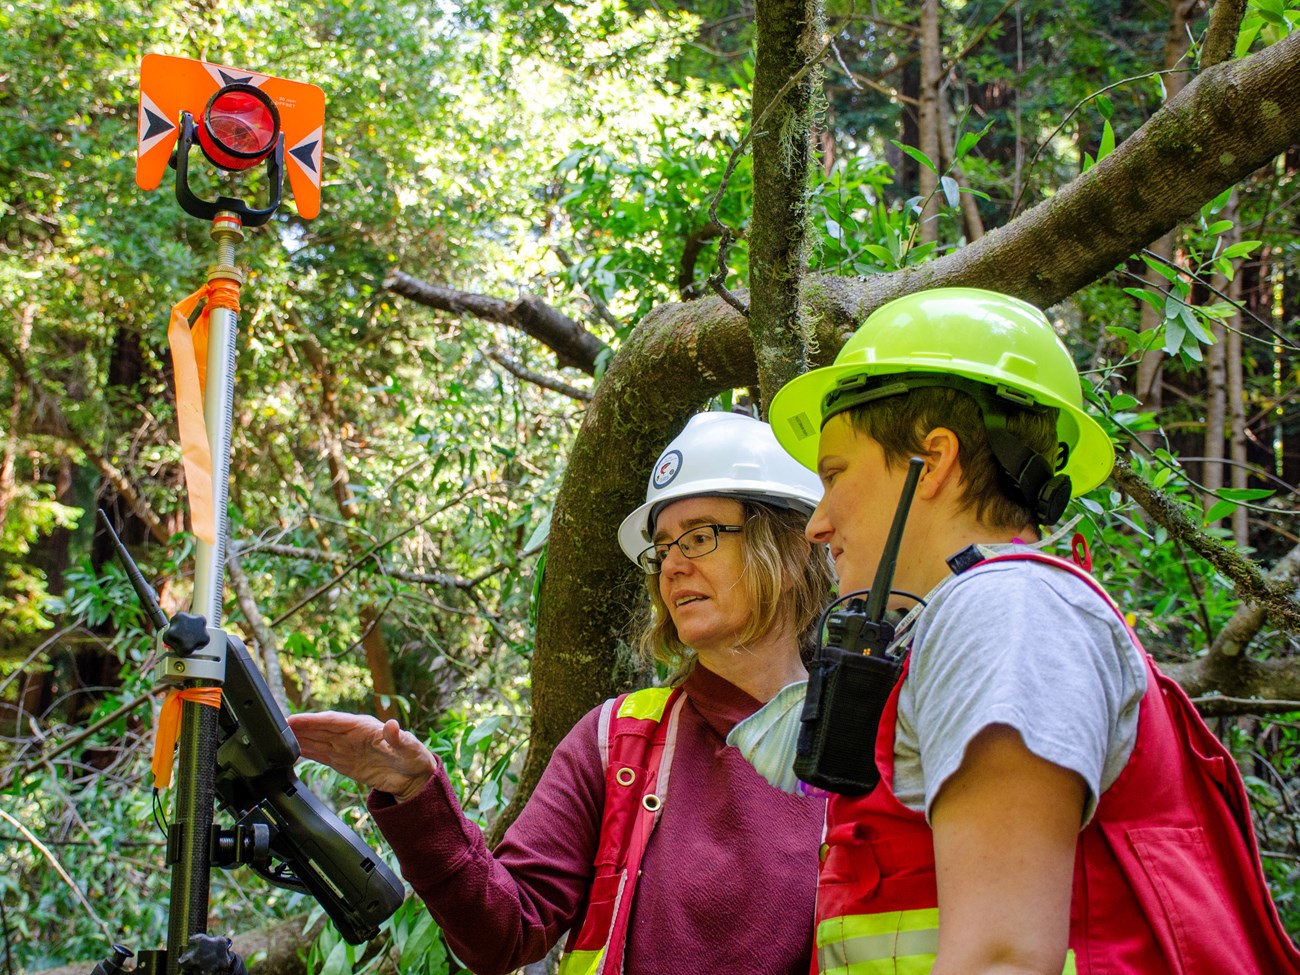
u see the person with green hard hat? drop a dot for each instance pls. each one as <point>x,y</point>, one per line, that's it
<point>1047,801</point>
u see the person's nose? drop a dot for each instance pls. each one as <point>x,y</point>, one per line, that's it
<point>674,563</point>
<point>818,529</point>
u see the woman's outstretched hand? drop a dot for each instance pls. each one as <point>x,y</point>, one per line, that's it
<point>375,753</point>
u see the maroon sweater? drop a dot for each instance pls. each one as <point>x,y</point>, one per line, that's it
<point>728,880</point>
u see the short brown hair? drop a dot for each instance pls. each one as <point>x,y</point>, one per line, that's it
<point>776,554</point>
<point>900,424</point>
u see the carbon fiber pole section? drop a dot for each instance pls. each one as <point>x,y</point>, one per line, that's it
<point>192,828</point>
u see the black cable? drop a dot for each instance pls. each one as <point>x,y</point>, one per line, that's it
<point>160,810</point>
<point>861,594</point>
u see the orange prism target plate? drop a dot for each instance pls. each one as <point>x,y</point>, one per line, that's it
<point>169,86</point>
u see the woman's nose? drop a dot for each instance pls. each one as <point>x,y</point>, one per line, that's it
<point>674,562</point>
<point>818,528</point>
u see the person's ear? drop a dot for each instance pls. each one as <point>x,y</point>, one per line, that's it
<point>941,451</point>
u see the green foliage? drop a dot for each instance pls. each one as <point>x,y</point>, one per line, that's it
<point>103,597</point>
<point>25,605</point>
<point>1177,602</point>
<point>860,232</point>
<point>638,198</point>
<point>411,935</point>
<point>1266,21</point>
<point>101,837</point>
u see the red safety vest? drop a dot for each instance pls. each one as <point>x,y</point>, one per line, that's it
<point>1167,876</point>
<point>637,735</point>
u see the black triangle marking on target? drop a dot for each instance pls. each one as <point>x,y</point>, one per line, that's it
<point>304,154</point>
<point>230,79</point>
<point>157,125</point>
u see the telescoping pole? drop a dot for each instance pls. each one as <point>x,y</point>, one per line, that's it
<point>218,408</point>
<point>195,794</point>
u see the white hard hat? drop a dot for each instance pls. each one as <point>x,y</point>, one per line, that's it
<point>721,454</point>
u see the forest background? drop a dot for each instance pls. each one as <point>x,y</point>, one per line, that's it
<point>549,233</point>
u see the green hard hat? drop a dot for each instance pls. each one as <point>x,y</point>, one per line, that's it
<point>991,338</point>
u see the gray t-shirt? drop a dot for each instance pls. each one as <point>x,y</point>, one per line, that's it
<point>1024,644</point>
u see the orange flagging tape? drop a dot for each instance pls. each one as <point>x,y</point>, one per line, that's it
<point>169,728</point>
<point>189,362</point>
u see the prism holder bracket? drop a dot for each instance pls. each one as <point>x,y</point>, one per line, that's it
<point>229,110</point>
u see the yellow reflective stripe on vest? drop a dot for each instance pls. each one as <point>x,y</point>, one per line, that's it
<point>647,703</point>
<point>891,943</point>
<point>902,942</point>
<point>581,962</point>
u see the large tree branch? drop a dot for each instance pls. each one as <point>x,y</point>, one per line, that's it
<point>1225,680</point>
<point>509,364</point>
<point>1245,623</point>
<point>572,344</point>
<point>1223,126</point>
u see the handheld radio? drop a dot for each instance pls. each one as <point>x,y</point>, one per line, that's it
<point>851,676</point>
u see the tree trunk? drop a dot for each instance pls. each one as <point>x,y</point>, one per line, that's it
<point>1238,471</point>
<point>1149,370</point>
<point>788,35</point>
<point>379,662</point>
<point>19,396</point>
<point>1217,431</point>
<point>928,118</point>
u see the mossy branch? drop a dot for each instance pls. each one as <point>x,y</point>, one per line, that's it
<point>1276,597</point>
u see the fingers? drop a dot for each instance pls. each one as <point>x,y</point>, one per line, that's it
<point>332,737</point>
<point>392,732</point>
<point>337,739</point>
<point>405,747</point>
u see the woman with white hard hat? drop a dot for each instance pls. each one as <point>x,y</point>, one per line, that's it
<point>715,874</point>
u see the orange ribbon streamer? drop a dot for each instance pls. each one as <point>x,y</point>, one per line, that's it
<point>189,347</point>
<point>168,729</point>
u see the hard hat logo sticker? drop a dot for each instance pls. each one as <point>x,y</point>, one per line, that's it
<point>667,468</point>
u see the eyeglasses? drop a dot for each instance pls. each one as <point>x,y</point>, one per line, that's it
<point>692,543</point>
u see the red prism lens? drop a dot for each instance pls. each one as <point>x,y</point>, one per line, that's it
<point>239,128</point>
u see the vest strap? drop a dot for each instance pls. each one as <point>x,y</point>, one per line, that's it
<point>636,739</point>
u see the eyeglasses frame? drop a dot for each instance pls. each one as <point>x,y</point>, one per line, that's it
<point>645,559</point>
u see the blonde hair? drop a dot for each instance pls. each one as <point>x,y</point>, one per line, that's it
<point>783,575</point>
